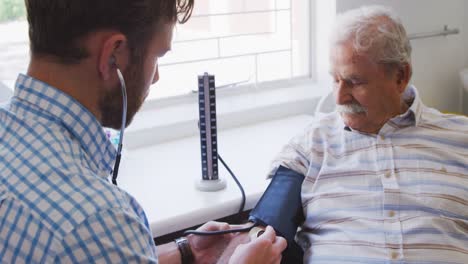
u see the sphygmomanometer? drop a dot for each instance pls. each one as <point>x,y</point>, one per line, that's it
<point>279,207</point>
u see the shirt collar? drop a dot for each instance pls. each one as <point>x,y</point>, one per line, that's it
<point>412,117</point>
<point>61,108</point>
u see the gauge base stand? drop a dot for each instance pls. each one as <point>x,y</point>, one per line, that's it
<point>210,185</point>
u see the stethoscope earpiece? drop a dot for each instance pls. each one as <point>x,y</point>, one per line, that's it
<point>112,61</point>
<point>115,172</point>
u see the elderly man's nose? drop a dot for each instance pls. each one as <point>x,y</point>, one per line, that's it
<point>342,95</point>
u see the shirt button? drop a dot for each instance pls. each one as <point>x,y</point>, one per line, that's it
<point>388,175</point>
<point>382,137</point>
<point>395,255</point>
<point>391,213</point>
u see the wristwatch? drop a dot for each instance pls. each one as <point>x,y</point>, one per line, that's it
<point>256,232</point>
<point>186,253</point>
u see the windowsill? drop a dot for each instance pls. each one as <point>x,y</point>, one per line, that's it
<point>162,177</point>
<point>176,118</point>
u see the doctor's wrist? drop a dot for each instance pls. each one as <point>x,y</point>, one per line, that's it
<point>185,250</point>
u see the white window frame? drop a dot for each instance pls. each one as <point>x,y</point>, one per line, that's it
<point>220,51</point>
<point>240,87</point>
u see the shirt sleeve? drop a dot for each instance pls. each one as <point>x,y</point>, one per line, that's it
<point>112,236</point>
<point>301,154</point>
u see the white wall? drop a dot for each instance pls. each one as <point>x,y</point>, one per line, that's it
<point>466,31</point>
<point>465,95</point>
<point>436,61</point>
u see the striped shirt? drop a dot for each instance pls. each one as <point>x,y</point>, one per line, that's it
<point>56,203</point>
<point>400,196</point>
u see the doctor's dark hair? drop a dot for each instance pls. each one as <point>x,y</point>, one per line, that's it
<point>57,26</point>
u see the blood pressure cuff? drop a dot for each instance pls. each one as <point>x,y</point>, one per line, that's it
<point>281,207</point>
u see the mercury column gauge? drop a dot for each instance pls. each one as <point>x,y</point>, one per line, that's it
<point>210,180</point>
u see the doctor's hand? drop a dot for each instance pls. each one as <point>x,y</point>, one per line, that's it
<point>265,249</point>
<point>208,249</point>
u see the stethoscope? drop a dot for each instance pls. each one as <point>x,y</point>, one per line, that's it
<point>115,172</point>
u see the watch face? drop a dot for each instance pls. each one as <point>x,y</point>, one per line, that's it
<point>255,232</point>
<point>184,249</point>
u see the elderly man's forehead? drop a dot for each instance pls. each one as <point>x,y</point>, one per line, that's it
<point>346,51</point>
<point>347,62</point>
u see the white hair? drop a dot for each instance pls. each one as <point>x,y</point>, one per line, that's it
<point>375,31</point>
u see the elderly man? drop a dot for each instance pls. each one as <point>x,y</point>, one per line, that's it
<point>385,176</point>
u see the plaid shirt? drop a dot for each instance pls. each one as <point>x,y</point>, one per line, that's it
<point>56,203</point>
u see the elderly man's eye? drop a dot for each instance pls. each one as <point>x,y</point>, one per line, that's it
<point>356,82</point>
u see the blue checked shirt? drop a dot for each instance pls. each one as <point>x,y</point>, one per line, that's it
<point>56,203</point>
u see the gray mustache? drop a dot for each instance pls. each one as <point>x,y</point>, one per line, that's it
<point>353,108</point>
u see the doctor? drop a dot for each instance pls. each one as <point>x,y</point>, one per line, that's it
<point>56,201</point>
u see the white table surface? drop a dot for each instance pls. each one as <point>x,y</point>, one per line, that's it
<point>162,177</point>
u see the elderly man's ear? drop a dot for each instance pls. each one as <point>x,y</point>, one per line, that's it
<point>403,76</point>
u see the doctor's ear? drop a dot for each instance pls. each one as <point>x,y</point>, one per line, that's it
<point>114,53</point>
<point>108,69</point>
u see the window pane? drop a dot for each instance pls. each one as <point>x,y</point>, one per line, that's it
<point>12,10</point>
<point>14,47</point>
<point>182,78</point>
<point>240,41</point>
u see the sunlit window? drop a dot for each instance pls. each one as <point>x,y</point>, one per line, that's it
<point>14,43</point>
<point>240,42</point>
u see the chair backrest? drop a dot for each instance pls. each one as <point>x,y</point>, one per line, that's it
<point>5,92</point>
<point>326,104</point>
